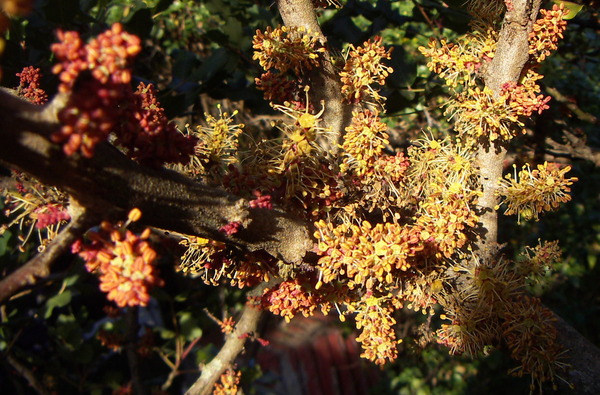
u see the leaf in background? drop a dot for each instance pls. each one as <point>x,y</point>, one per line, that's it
<point>4,239</point>
<point>60,300</point>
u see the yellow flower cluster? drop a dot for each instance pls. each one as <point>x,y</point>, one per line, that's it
<point>442,222</point>
<point>229,384</point>
<point>287,48</point>
<point>547,31</point>
<point>459,64</point>
<point>442,170</point>
<point>198,254</point>
<point>217,146</point>
<point>364,68</point>
<point>364,141</point>
<point>34,207</point>
<point>365,256</point>
<point>530,192</point>
<point>477,114</point>
<point>377,338</point>
<point>213,262</point>
<point>474,299</point>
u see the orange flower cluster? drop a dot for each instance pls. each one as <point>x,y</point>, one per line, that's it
<point>547,31</point>
<point>539,260</point>
<point>364,67</point>
<point>291,297</point>
<point>391,168</point>
<point>277,87</point>
<point>364,141</point>
<point>29,86</point>
<point>94,107</point>
<point>106,57</point>
<point>377,338</point>
<point>524,99</point>
<point>365,256</point>
<point>230,380</point>
<point>530,192</point>
<point>287,48</point>
<point>124,261</point>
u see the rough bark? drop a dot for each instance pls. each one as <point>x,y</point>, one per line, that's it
<point>326,86</point>
<point>110,184</point>
<point>511,55</point>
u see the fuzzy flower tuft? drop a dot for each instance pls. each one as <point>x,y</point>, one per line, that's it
<point>530,192</point>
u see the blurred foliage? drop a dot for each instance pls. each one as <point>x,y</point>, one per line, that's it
<point>200,52</point>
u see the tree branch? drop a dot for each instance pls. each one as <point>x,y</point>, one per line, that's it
<point>234,344</point>
<point>583,358</point>
<point>511,55</point>
<point>39,266</point>
<point>110,184</point>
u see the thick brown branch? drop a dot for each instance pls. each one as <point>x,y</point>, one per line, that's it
<point>325,83</point>
<point>39,266</point>
<point>111,184</point>
<point>510,57</point>
<point>234,344</point>
<point>583,358</point>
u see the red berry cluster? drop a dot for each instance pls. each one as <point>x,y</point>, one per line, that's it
<point>96,100</point>
<point>148,135</point>
<point>101,101</point>
<point>29,85</point>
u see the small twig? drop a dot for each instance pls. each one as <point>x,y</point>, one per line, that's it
<point>17,365</point>
<point>233,346</point>
<point>27,374</point>
<point>573,107</point>
<point>39,266</point>
<point>575,147</point>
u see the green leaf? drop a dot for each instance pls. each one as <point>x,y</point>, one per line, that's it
<point>189,326</point>
<point>4,242</point>
<point>573,8</point>
<point>60,300</point>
